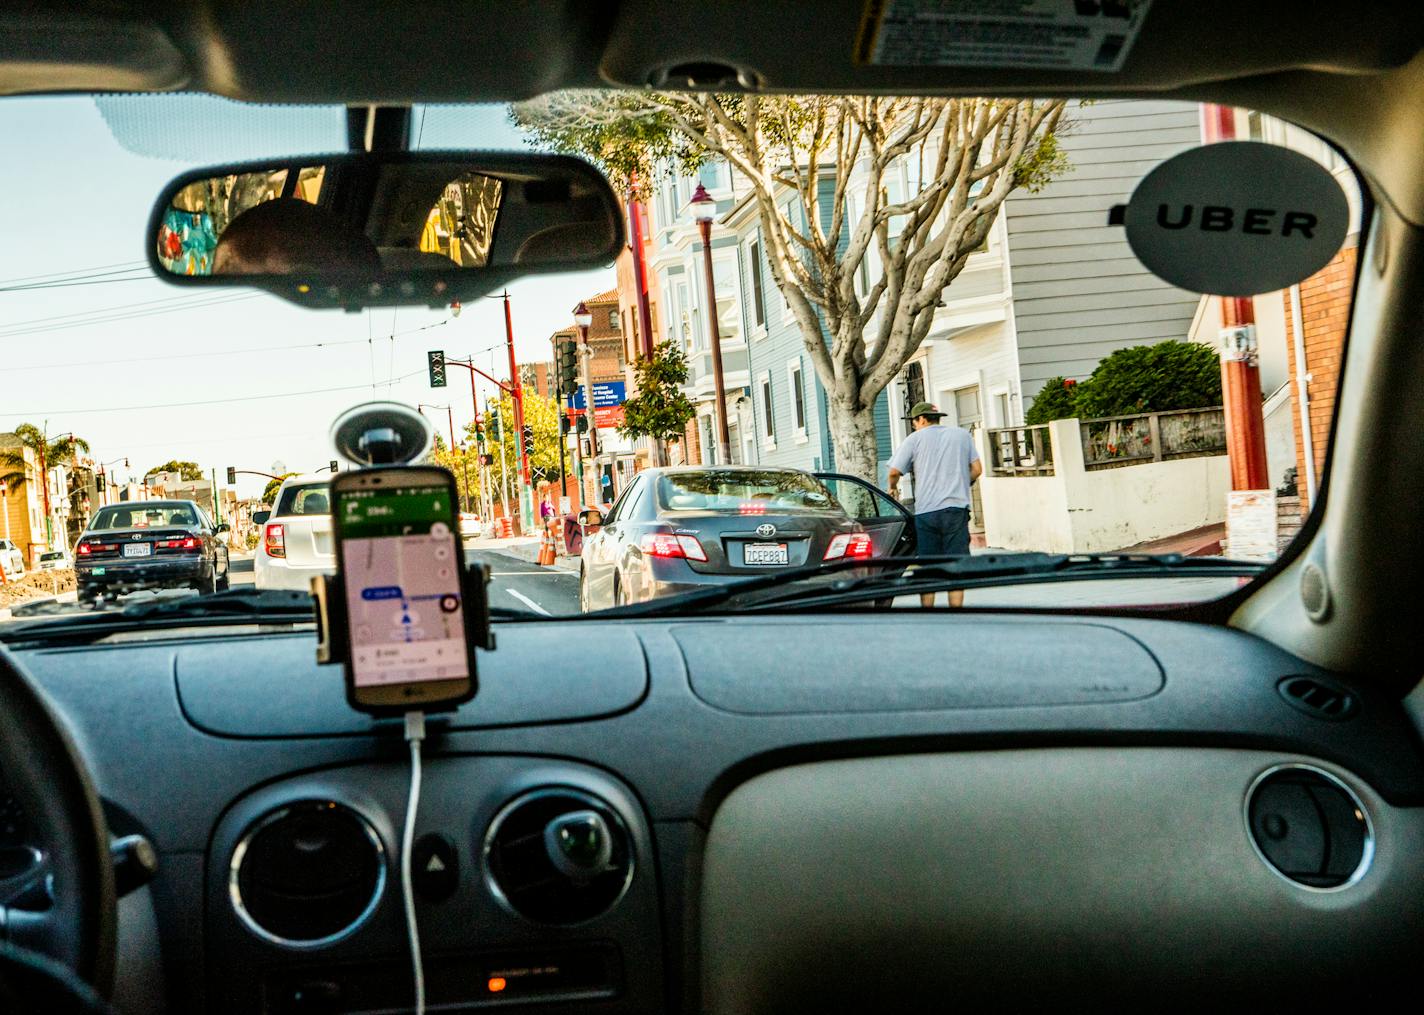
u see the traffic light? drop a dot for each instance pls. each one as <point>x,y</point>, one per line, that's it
<point>99,483</point>
<point>334,464</point>
<point>528,434</point>
<point>565,425</point>
<point>479,430</point>
<point>493,427</point>
<point>231,475</point>
<point>437,368</point>
<point>583,424</point>
<point>568,366</point>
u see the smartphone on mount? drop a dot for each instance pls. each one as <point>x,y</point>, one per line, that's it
<point>410,643</point>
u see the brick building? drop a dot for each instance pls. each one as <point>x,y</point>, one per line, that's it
<point>1325,300</point>
<point>538,378</point>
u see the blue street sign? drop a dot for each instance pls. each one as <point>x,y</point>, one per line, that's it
<point>605,394</point>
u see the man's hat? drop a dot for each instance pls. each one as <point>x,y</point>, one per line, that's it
<point>926,409</point>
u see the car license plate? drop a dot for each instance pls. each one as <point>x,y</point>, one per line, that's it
<point>764,553</point>
<point>137,549</point>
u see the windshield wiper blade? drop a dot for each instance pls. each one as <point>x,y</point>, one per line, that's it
<point>245,601</point>
<point>936,574</point>
<point>245,605</point>
<point>988,570</point>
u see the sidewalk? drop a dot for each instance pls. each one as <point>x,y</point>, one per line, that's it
<point>524,548</point>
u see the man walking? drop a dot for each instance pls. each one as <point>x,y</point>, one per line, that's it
<point>945,465</point>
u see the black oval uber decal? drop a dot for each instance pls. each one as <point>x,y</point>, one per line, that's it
<point>1237,218</point>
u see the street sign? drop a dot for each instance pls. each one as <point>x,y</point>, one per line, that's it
<point>436,358</point>
<point>608,399</point>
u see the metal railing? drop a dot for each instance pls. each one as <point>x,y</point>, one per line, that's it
<point>1117,441</point>
<point>1020,451</point>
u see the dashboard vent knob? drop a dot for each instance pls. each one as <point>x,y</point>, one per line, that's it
<point>307,874</point>
<point>1309,827</point>
<point>1323,699</point>
<point>558,856</point>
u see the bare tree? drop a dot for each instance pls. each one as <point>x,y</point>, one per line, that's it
<point>964,157</point>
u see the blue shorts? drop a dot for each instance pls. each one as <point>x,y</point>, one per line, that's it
<point>942,533</point>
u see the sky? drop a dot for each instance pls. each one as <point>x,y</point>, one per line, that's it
<point>231,377</point>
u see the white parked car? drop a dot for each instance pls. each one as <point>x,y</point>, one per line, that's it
<point>470,527</point>
<point>53,560</point>
<point>12,560</point>
<point>295,540</point>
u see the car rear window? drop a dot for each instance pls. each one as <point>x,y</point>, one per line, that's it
<point>743,489</point>
<point>311,499</point>
<point>140,516</point>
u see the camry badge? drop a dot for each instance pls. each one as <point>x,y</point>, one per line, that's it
<point>766,531</point>
<point>136,535</point>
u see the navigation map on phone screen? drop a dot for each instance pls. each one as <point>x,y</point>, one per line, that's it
<point>398,555</point>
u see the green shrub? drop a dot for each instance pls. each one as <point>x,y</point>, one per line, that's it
<point>1056,400</point>
<point>1151,378</point>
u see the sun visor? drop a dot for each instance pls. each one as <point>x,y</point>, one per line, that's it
<point>1236,218</point>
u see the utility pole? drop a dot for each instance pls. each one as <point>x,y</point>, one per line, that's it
<point>217,509</point>
<point>503,462</point>
<point>640,282</point>
<point>583,317</point>
<point>1240,369</point>
<point>704,209</point>
<point>44,487</point>
<point>526,493</point>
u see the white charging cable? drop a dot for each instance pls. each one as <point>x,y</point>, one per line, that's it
<point>414,734</point>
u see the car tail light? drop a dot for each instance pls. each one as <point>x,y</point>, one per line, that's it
<point>274,539</point>
<point>86,549</point>
<point>850,546</point>
<point>186,543</point>
<point>665,544</point>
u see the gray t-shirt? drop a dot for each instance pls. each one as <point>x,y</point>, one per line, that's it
<point>939,458</point>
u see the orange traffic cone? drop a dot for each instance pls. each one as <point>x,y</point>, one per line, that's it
<point>547,552</point>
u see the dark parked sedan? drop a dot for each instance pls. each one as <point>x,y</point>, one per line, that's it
<point>154,544</point>
<point>675,530</point>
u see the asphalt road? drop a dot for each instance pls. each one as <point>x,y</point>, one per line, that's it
<point>519,585</point>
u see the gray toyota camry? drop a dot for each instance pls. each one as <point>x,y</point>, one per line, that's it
<point>680,529</point>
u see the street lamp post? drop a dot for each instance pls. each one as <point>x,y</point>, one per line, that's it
<point>704,210</point>
<point>583,317</point>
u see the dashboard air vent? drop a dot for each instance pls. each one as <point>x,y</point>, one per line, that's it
<point>307,874</point>
<point>1322,699</point>
<point>1309,827</point>
<point>558,856</point>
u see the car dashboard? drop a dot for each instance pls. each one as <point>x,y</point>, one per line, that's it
<point>805,813</point>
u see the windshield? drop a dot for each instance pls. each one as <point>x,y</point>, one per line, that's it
<point>314,499</point>
<point>742,490</point>
<point>943,348</point>
<point>142,516</point>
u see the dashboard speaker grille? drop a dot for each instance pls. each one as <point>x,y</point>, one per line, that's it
<point>1314,592</point>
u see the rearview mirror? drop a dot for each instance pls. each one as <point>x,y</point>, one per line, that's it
<point>260,517</point>
<point>590,517</point>
<point>222,527</point>
<point>384,228</point>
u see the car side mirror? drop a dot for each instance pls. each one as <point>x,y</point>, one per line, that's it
<point>260,517</point>
<point>590,517</point>
<point>223,527</point>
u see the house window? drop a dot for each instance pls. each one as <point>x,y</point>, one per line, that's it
<point>754,273</point>
<point>768,420</point>
<point>613,319</point>
<point>798,397</point>
<point>914,384</point>
<point>1001,407</point>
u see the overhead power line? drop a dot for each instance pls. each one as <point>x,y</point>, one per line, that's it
<point>210,401</point>
<point>103,269</point>
<point>219,352</point>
